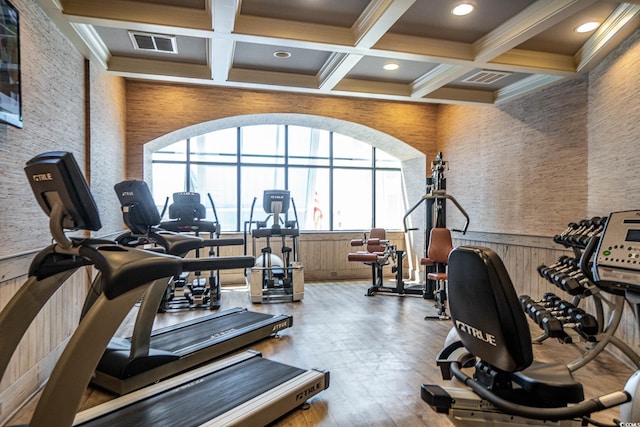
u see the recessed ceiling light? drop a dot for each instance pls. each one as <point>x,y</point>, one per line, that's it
<point>587,26</point>
<point>391,66</point>
<point>282,54</point>
<point>462,9</point>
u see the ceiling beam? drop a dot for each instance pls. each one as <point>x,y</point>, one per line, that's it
<point>282,30</point>
<point>220,58</point>
<point>143,66</point>
<point>423,48</point>
<point>619,25</point>
<point>377,19</point>
<point>133,15</point>
<point>94,42</point>
<point>524,86</point>
<point>462,96</point>
<point>368,86</point>
<point>533,20</point>
<point>436,78</point>
<point>533,62</point>
<point>336,68</point>
<point>372,24</point>
<point>273,78</point>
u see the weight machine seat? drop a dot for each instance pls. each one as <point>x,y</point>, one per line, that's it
<point>440,246</point>
<point>492,327</point>
<point>376,236</point>
<point>376,249</point>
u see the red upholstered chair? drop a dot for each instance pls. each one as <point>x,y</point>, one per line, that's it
<point>440,245</point>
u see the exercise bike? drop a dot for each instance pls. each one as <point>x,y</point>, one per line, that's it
<point>492,338</point>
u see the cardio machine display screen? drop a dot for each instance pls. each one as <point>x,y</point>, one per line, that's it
<point>633,236</point>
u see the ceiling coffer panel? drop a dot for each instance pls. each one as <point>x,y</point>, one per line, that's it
<point>499,50</point>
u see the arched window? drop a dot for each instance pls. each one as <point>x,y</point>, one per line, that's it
<point>337,182</point>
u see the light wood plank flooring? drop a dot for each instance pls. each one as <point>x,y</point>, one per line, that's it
<point>379,351</point>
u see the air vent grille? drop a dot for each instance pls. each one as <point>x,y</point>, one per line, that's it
<point>485,77</point>
<point>154,42</point>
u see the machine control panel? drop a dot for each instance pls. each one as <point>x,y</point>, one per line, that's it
<point>618,255</point>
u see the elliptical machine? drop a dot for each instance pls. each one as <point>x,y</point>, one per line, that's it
<point>187,215</point>
<point>275,278</point>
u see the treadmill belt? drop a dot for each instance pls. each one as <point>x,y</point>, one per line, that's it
<point>196,333</point>
<point>205,398</point>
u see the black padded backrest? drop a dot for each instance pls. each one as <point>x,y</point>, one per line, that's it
<point>55,178</point>
<point>139,211</point>
<point>485,309</point>
<point>187,207</point>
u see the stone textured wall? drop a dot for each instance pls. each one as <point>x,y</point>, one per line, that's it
<point>108,133</point>
<point>53,110</point>
<point>520,167</point>
<point>53,92</point>
<point>614,131</point>
<point>67,106</point>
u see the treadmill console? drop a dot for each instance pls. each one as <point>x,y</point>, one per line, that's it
<point>617,259</point>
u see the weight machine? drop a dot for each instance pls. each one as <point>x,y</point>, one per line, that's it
<point>275,278</point>
<point>380,252</point>
<point>436,217</point>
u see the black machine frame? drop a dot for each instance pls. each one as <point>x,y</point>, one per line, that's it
<point>435,201</point>
<point>269,282</point>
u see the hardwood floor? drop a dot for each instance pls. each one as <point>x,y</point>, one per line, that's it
<point>378,349</point>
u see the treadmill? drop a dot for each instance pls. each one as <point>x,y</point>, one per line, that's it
<point>149,356</point>
<point>273,388</point>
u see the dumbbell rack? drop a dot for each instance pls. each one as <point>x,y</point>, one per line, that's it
<point>566,320</point>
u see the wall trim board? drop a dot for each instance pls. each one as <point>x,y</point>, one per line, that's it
<point>28,385</point>
<point>544,242</point>
<point>15,265</point>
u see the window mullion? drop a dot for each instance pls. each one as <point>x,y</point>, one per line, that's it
<point>373,187</point>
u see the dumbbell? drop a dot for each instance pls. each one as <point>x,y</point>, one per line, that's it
<point>590,225</point>
<point>547,297</point>
<point>552,326</point>
<point>599,223</point>
<point>559,308</point>
<point>570,265</point>
<point>543,268</point>
<point>575,284</point>
<point>538,312</point>
<point>558,237</point>
<point>583,323</point>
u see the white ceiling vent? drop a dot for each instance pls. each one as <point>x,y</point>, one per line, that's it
<point>154,42</point>
<point>486,77</point>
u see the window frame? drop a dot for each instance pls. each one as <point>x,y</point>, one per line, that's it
<point>284,164</point>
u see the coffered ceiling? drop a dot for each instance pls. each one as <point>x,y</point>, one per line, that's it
<point>501,50</point>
